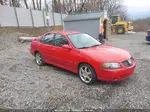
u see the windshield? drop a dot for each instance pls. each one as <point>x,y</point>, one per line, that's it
<point>83,41</point>
<point>114,19</point>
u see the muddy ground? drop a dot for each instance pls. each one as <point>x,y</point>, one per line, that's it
<point>24,85</point>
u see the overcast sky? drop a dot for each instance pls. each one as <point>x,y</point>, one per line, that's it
<point>138,8</point>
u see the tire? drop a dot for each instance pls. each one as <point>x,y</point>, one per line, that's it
<point>38,59</point>
<point>87,74</point>
<point>120,30</point>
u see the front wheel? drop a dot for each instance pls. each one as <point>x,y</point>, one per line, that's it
<point>121,30</point>
<point>87,74</point>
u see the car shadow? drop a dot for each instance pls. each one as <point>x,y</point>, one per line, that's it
<point>65,72</point>
<point>108,83</point>
<point>146,43</point>
<point>97,83</point>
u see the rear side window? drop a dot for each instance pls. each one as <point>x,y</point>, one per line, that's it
<point>48,39</point>
<point>60,40</point>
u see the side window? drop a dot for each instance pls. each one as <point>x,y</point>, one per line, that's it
<point>60,40</point>
<point>48,39</point>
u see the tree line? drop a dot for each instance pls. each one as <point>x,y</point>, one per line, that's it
<point>71,6</point>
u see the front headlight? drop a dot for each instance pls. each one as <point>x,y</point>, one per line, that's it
<point>110,65</point>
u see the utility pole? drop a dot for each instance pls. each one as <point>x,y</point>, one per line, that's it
<point>14,5</point>
<point>47,16</point>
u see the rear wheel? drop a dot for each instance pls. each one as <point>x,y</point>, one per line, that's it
<point>121,30</point>
<point>39,59</point>
<point>87,74</point>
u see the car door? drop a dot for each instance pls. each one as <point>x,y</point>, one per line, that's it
<point>64,57</point>
<point>46,47</point>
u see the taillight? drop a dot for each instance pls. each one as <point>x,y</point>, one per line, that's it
<point>34,39</point>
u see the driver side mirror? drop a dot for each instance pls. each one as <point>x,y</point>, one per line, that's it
<point>66,47</point>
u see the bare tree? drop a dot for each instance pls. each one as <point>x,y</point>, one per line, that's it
<point>79,6</point>
<point>26,4</point>
<point>116,7</point>
<point>76,6</point>
<point>40,4</point>
<point>37,4</point>
<point>16,3</point>
<point>13,3</point>
<point>10,3</point>
<point>1,2</point>
<point>33,4</point>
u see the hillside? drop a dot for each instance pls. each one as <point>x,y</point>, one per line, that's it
<point>141,24</point>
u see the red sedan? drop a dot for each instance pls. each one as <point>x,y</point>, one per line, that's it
<point>82,54</point>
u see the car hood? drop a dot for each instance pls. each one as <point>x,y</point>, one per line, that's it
<point>106,53</point>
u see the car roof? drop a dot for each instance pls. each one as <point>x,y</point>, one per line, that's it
<point>66,32</point>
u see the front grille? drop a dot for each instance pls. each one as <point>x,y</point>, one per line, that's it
<point>128,63</point>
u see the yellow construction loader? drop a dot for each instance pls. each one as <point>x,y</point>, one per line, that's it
<point>120,27</point>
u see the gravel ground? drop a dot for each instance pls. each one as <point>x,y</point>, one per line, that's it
<point>24,85</point>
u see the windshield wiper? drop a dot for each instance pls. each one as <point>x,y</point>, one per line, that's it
<point>83,47</point>
<point>95,45</point>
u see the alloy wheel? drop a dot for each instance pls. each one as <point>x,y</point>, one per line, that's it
<point>85,74</point>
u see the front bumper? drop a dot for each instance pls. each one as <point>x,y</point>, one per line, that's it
<point>147,38</point>
<point>130,28</point>
<point>116,74</point>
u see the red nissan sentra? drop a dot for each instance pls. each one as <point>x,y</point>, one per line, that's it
<point>82,54</point>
